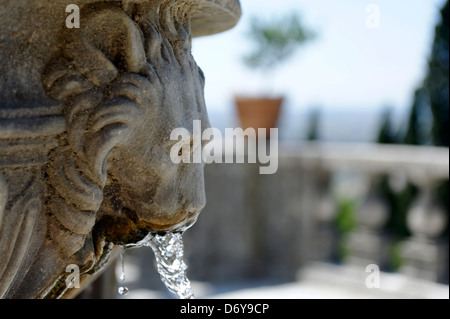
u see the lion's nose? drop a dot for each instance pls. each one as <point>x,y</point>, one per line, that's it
<point>187,195</point>
<point>188,200</point>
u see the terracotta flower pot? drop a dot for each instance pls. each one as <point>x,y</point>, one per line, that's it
<point>258,112</point>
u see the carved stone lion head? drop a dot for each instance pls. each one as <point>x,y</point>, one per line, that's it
<point>124,81</point>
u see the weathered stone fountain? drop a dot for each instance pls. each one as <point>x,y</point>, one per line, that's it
<point>85,119</point>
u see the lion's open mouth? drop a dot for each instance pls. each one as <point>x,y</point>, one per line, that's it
<point>128,228</point>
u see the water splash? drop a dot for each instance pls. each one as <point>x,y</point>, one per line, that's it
<point>169,253</point>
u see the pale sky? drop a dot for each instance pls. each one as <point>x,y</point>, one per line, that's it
<point>348,66</point>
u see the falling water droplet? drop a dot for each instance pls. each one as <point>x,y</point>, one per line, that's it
<point>123,290</point>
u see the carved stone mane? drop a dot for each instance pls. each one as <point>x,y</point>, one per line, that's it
<point>84,152</point>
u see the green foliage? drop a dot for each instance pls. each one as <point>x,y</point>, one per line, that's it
<point>345,218</point>
<point>387,134</point>
<point>419,123</point>
<point>395,258</point>
<point>345,222</point>
<point>437,80</point>
<point>429,116</point>
<point>428,120</point>
<point>275,41</point>
<point>313,132</point>
<point>399,204</point>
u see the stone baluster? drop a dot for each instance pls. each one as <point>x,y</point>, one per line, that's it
<point>368,243</point>
<point>425,254</point>
<point>325,234</point>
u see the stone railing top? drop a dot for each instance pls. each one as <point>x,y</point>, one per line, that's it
<point>369,158</point>
<point>373,158</point>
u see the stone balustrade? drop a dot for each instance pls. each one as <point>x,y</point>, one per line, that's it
<point>269,226</point>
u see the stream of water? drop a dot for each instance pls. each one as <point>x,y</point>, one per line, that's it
<point>169,252</point>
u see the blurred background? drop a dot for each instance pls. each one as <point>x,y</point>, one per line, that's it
<point>363,155</point>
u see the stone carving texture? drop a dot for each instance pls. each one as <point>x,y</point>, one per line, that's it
<point>84,158</point>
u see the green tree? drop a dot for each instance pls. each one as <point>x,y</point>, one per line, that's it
<point>420,120</point>
<point>429,115</point>
<point>435,95</point>
<point>275,41</point>
<point>437,80</point>
<point>386,134</point>
<point>313,133</point>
